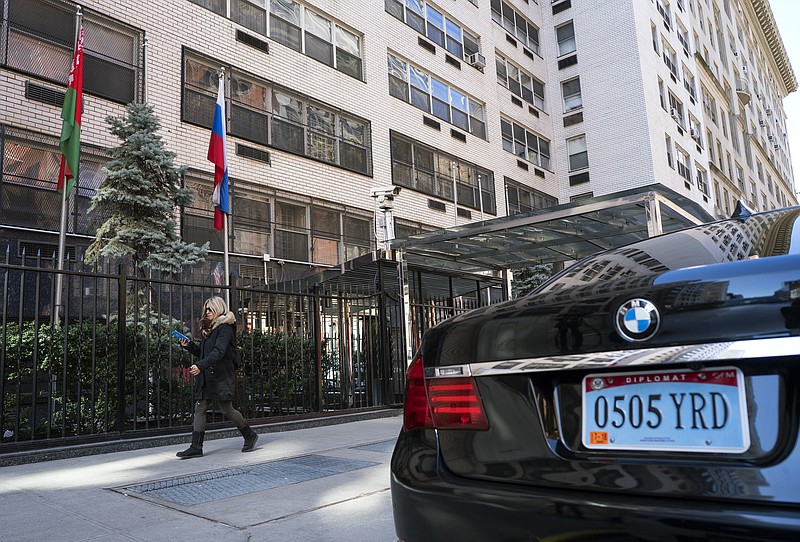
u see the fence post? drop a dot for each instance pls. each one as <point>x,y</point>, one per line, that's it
<point>385,361</point>
<point>317,308</point>
<point>122,293</point>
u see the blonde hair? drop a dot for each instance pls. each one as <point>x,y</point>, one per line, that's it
<point>221,315</point>
<point>216,304</point>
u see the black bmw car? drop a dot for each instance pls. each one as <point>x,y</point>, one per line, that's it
<point>650,392</point>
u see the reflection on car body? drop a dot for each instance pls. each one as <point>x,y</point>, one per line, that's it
<point>649,392</point>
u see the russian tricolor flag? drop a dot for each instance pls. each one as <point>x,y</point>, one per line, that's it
<point>216,154</point>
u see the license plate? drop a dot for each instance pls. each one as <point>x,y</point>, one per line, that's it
<point>677,411</point>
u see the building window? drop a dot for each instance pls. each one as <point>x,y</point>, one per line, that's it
<point>670,59</point>
<point>516,24</point>
<point>270,115</point>
<point>357,237</point>
<point>520,82</point>
<point>30,164</point>
<point>298,27</point>
<point>565,35</point>
<point>291,232</point>
<point>702,179</point>
<point>197,222</point>
<point>40,39</point>
<point>682,159</point>
<point>654,37</point>
<point>424,169</point>
<point>522,199</point>
<point>571,91</point>
<point>435,25</point>
<point>434,96</point>
<point>689,83</point>
<point>676,110</point>
<point>578,156</point>
<point>250,219</point>
<point>670,159</point>
<point>525,144</point>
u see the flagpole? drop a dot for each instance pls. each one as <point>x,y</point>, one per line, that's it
<point>225,215</point>
<point>225,259</point>
<point>62,231</point>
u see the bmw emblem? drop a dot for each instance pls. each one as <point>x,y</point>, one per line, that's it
<point>637,320</point>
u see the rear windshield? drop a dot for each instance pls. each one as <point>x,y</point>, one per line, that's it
<point>755,236</point>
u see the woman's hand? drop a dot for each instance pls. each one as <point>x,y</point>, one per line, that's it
<point>183,342</point>
<point>195,370</point>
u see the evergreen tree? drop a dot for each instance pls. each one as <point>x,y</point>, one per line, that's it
<point>528,278</point>
<point>139,196</point>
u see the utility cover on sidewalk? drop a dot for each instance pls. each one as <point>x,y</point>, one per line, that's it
<point>222,484</point>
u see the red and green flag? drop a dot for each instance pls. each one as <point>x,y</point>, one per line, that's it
<point>70,140</point>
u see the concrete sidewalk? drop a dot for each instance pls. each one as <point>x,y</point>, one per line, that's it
<point>327,483</point>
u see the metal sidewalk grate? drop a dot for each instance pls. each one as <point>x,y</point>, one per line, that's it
<point>234,482</point>
<point>384,447</point>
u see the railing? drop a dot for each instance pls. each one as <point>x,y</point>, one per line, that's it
<point>107,367</point>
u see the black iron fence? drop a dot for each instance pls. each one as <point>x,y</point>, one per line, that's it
<point>105,366</point>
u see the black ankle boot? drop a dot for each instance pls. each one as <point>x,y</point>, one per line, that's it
<point>196,449</point>
<point>250,438</point>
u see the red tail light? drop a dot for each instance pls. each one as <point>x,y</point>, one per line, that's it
<point>443,403</point>
<point>416,412</point>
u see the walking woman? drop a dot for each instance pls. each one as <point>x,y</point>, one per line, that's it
<point>215,374</point>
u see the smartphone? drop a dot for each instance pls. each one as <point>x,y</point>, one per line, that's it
<point>178,335</point>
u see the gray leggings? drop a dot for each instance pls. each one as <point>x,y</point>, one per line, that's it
<point>227,409</point>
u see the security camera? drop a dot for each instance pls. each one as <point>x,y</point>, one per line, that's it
<point>386,191</point>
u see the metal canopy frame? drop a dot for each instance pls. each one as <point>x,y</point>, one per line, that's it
<point>556,234</point>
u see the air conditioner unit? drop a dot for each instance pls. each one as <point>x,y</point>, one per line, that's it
<point>762,123</point>
<point>674,112</point>
<point>695,133</point>
<point>735,53</point>
<point>758,95</point>
<point>768,111</point>
<point>776,146</point>
<point>771,137</point>
<point>744,69</point>
<point>477,60</point>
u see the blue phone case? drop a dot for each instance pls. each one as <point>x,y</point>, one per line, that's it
<point>178,335</point>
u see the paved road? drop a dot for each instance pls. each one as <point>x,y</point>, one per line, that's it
<point>326,484</point>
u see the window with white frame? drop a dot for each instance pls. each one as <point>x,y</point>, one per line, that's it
<point>436,25</point>
<point>670,59</point>
<point>695,130</point>
<point>670,159</point>
<point>519,82</point>
<point>571,91</point>
<point>682,160</point>
<point>676,109</point>
<point>565,36</point>
<point>662,96</point>
<point>654,36</point>
<point>577,153</point>
<point>663,8</point>
<point>432,95</point>
<point>38,38</point>
<point>702,179</point>
<point>525,143</point>
<point>298,27</point>
<point>683,38</point>
<point>689,82</point>
<point>516,24</point>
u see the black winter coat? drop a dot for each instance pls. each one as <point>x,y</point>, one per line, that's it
<point>217,378</point>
